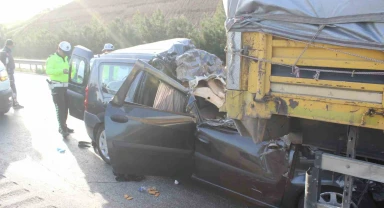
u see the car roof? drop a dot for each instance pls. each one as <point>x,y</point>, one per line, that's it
<point>150,50</point>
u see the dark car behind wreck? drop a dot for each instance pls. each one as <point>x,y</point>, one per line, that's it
<point>155,126</point>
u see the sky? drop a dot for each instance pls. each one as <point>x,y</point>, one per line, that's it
<point>20,10</point>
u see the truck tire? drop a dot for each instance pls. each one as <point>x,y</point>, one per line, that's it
<point>366,201</point>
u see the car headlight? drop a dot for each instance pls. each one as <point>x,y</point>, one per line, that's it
<point>3,75</point>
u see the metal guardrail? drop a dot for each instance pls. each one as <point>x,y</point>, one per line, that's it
<point>31,63</point>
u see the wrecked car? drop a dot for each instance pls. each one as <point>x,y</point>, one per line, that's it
<point>95,80</point>
<point>156,126</point>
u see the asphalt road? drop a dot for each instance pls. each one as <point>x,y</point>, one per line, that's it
<point>34,174</point>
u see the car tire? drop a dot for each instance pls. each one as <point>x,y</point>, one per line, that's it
<point>366,201</point>
<point>101,145</point>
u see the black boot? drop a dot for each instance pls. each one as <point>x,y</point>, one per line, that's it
<point>16,105</point>
<point>70,130</point>
<point>64,133</point>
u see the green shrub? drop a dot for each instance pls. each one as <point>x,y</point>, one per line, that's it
<point>39,43</point>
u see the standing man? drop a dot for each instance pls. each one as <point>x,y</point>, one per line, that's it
<point>57,68</point>
<point>107,72</point>
<point>7,59</point>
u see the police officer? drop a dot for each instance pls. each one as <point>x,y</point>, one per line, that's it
<point>108,47</point>
<point>7,59</point>
<point>57,68</point>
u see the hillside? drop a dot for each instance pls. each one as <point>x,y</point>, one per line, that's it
<point>83,11</point>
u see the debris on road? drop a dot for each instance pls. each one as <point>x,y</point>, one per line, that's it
<point>127,197</point>
<point>153,191</point>
<point>142,189</point>
<point>60,150</point>
<point>150,190</point>
<point>176,182</point>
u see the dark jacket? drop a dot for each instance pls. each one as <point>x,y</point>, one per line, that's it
<point>7,59</point>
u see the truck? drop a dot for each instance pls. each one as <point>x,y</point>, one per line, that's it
<point>312,71</point>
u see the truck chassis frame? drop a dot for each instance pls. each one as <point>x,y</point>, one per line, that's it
<point>349,166</point>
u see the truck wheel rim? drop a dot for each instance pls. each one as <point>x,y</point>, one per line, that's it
<point>103,145</point>
<point>334,199</point>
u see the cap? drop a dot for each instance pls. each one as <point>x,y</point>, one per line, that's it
<point>65,46</point>
<point>108,47</point>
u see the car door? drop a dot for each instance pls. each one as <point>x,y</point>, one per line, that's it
<point>79,73</point>
<point>147,127</point>
<point>230,161</point>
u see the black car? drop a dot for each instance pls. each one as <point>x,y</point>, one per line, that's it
<point>94,80</point>
<point>155,126</point>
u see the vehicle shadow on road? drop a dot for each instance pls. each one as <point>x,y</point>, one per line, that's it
<point>15,142</point>
<point>101,180</point>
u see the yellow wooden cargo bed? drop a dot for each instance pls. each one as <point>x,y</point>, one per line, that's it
<point>330,83</point>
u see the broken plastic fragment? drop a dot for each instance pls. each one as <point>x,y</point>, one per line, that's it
<point>152,192</point>
<point>142,189</point>
<point>60,150</point>
<point>127,197</point>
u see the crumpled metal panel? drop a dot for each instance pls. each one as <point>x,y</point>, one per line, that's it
<point>233,61</point>
<point>211,87</point>
<point>351,23</point>
<point>197,62</point>
<point>227,122</point>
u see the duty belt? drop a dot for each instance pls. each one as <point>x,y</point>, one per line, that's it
<point>52,84</point>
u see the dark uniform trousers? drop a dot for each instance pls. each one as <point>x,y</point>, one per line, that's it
<point>59,95</point>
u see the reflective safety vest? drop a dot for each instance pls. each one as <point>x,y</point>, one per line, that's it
<point>107,73</point>
<point>55,66</point>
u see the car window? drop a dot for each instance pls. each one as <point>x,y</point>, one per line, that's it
<point>78,70</point>
<point>112,76</point>
<point>157,94</point>
<point>132,88</point>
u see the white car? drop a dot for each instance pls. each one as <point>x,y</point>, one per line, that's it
<point>5,91</point>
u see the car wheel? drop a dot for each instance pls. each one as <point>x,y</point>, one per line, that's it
<point>334,196</point>
<point>101,143</point>
<point>4,112</point>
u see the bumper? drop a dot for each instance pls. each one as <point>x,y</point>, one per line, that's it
<point>5,100</point>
